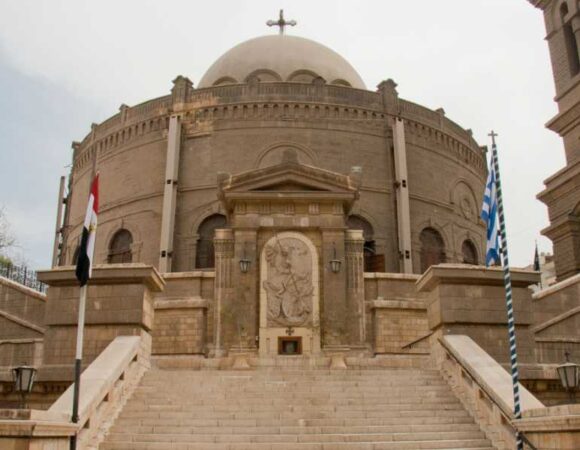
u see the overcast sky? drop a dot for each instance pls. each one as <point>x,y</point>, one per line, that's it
<point>67,63</point>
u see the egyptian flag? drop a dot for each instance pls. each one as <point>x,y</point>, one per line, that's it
<point>85,259</point>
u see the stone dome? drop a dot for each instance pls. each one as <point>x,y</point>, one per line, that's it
<point>281,58</point>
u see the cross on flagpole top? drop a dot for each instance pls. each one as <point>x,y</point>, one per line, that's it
<point>493,135</point>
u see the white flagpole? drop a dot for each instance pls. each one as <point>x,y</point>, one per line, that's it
<point>78,361</point>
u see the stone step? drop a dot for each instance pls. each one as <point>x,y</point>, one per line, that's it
<point>297,407</point>
<point>267,421</point>
<point>297,438</point>
<point>478,444</point>
<point>307,414</point>
<point>171,428</point>
<point>290,408</point>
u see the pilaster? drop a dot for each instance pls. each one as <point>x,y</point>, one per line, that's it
<point>335,317</point>
<point>224,255</point>
<point>170,193</point>
<point>402,196</point>
<point>354,244</point>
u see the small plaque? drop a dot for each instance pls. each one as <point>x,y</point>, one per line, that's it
<point>290,345</point>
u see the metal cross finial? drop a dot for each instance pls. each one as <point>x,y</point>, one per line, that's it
<point>281,22</point>
<point>493,135</point>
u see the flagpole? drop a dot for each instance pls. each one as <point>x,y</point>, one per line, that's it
<point>78,361</point>
<point>508,291</point>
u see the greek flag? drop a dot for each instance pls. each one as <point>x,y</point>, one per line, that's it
<point>489,213</point>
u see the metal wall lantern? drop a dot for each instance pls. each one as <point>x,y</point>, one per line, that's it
<point>245,262</point>
<point>335,263</point>
<point>569,374</point>
<point>23,378</point>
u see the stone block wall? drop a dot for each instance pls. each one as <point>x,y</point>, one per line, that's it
<point>22,302</point>
<point>181,325</point>
<point>119,303</point>
<point>470,300</point>
<point>21,324</point>
<point>556,314</point>
<point>396,314</point>
<point>179,330</point>
<point>399,329</point>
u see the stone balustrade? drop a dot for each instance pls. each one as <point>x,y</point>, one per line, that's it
<point>105,386</point>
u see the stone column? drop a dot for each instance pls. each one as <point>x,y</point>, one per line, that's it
<point>170,193</point>
<point>355,284</point>
<point>334,308</point>
<point>224,255</point>
<point>58,228</point>
<point>402,196</point>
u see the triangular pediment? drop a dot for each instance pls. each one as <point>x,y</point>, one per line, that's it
<point>289,186</point>
<point>293,177</point>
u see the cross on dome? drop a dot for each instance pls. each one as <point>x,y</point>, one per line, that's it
<point>281,22</point>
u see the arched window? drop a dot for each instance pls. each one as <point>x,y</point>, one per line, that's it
<point>204,256</point>
<point>570,41</point>
<point>432,248</point>
<point>469,252</point>
<point>372,261</point>
<point>120,248</point>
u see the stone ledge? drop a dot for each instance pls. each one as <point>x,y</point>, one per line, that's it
<point>26,428</point>
<point>391,276</point>
<point>24,289</point>
<point>574,280</point>
<point>182,303</point>
<point>107,274</point>
<point>397,304</point>
<point>479,275</point>
<point>488,373</point>
<point>188,275</point>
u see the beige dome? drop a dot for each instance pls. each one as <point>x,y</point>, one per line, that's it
<point>281,58</point>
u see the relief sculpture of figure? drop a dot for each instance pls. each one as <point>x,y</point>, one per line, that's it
<point>288,285</point>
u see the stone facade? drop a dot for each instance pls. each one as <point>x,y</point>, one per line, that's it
<point>248,126</point>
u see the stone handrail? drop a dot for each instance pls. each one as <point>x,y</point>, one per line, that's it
<point>484,387</point>
<point>105,386</point>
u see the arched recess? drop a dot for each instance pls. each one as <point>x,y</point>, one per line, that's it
<point>469,252</point>
<point>341,82</point>
<point>272,155</point>
<point>204,254</point>
<point>432,248</point>
<point>264,76</point>
<point>464,200</point>
<point>373,262</point>
<point>120,247</point>
<point>225,81</point>
<point>302,76</point>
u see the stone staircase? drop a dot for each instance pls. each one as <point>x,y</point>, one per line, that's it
<point>294,408</point>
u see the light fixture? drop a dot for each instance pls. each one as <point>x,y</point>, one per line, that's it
<point>569,374</point>
<point>335,263</point>
<point>23,377</point>
<point>244,262</point>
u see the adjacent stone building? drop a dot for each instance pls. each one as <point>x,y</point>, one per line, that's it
<point>562,192</point>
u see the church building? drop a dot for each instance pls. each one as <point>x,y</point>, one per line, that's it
<point>288,259</point>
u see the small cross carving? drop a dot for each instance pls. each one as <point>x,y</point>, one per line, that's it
<point>493,135</point>
<point>289,331</point>
<point>281,22</point>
